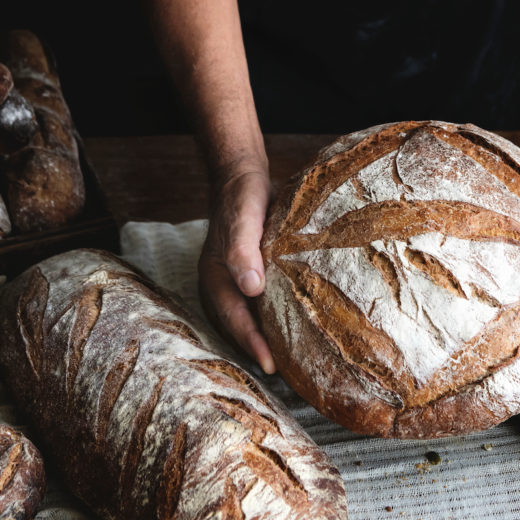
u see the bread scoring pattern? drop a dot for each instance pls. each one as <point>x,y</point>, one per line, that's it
<point>22,477</point>
<point>141,406</point>
<point>44,182</point>
<point>400,248</point>
<point>5,222</point>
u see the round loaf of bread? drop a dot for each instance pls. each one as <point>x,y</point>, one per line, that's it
<point>392,300</point>
<point>22,477</point>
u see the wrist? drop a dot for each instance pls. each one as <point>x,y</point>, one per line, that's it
<point>227,189</point>
<point>234,150</point>
<point>238,166</point>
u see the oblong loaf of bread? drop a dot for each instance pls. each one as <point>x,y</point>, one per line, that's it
<point>45,187</point>
<point>141,408</point>
<point>392,299</point>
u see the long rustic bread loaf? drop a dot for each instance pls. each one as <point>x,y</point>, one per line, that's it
<point>22,478</point>
<point>45,186</point>
<point>393,280</point>
<point>141,408</point>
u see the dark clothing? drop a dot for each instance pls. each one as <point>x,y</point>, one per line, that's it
<point>320,66</point>
<point>336,66</point>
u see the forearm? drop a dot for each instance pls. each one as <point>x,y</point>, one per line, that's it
<point>201,44</point>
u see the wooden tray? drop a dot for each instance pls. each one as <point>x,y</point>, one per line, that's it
<point>95,227</point>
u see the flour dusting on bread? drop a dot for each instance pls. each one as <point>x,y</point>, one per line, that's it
<point>399,248</point>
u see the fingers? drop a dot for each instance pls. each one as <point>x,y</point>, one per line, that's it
<point>224,301</point>
<point>231,265</point>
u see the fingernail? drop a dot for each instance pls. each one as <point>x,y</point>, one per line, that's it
<point>268,366</point>
<point>249,282</point>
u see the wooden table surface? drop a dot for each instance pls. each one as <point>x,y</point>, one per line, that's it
<point>163,178</point>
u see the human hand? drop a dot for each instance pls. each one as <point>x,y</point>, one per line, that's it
<point>231,266</point>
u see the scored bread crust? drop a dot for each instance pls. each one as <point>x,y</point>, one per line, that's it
<point>6,83</point>
<point>45,187</point>
<point>5,222</point>
<point>22,477</point>
<point>142,408</point>
<point>401,204</point>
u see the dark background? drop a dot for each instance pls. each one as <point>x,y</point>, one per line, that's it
<point>328,66</point>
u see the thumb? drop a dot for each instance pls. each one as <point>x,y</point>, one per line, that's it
<point>245,264</point>
<point>243,257</point>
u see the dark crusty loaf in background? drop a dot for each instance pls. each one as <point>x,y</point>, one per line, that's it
<point>17,126</point>
<point>393,280</point>
<point>17,118</point>
<point>6,83</point>
<point>142,410</point>
<point>22,477</point>
<point>41,168</point>
<point>6,86</point>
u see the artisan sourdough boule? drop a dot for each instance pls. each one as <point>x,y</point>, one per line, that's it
<point>393,280</point>
<point>22,477</point>
<point>141,408</point>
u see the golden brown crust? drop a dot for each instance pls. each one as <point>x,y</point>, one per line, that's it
<point>321,179</point>
<point>357,341</point>
<point>140,406</point>
<point>169,488</point>
<point>356,368</point>
<point>403,219</point>
<point>333,385</point>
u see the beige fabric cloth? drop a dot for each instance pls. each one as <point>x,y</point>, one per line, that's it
<point>470,482</point>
